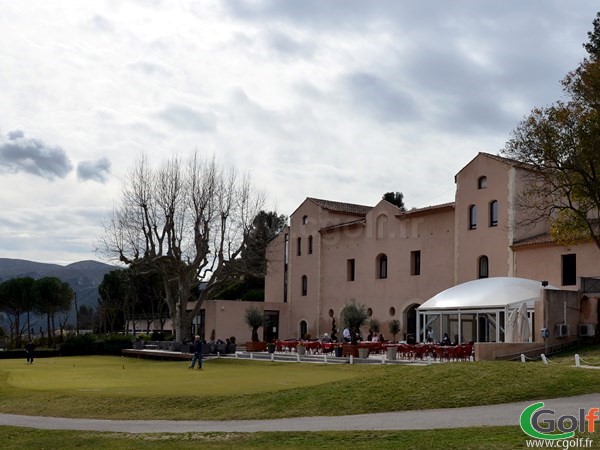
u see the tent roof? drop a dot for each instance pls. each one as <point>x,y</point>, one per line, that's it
<point>497,292</point>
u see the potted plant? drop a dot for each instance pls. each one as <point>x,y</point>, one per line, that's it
<point>301,349</point>
<point>374,326</point>
<point>363,352</point>
<point>271,347</point>
<point>254,319</point>
<point>354,315</point>
<point>392,350</point>
<point>394,327</point>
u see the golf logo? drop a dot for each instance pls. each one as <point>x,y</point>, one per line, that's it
<point>540,423</point>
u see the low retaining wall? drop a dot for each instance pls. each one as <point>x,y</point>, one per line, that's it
<point>490,351</point>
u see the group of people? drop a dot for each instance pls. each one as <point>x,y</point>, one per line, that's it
<point>445,339</point>
<point>371,337</point>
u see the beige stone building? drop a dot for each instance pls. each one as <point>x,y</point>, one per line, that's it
<point>393,261</point>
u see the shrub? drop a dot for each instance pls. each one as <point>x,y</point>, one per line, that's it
<point>83,344</point>
<point>354,315</point>
<point>254,295</point>
<point>114,343</point>
<point>394,327</point>
<point>254,319</point>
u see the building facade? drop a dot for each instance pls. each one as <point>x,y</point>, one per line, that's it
<point>392,261</point>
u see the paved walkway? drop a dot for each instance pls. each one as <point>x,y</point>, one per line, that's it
<point>504,414</point>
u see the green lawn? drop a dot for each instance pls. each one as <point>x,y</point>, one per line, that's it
<point>485,438</point>
<point>127,388</point>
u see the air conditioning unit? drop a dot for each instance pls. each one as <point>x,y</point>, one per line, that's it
<point>562,330</point>
<point>587,330</point>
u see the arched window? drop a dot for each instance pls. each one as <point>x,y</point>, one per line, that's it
<point>481,182</point>
<point>304,285</point>
<point>382,225</point>
<point>472,217</point>
<point>310,245</point>
<point>303,328</point>
<point>494,213</point>
<point>484,268</point>
<point>382,266</point>
<point>304,220</point>
<point>299,244</point>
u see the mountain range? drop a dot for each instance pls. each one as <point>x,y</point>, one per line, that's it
<point>84,277</point>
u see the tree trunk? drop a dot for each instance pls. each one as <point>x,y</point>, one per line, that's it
<point>49,330</point>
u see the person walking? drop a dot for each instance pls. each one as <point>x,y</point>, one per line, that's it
<point>29,349</point>
<point>197,353</point>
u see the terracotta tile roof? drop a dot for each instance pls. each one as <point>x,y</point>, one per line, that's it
<point>346,208</point>
<point>343,225</point>
<point>427,209</point>
<point>539,239</point>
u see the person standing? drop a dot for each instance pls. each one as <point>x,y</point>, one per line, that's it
<point>346,335</point>
<point>29,349</point>
<point>197,353</point>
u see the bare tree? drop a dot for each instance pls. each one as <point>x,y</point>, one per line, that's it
<point>184,220</point>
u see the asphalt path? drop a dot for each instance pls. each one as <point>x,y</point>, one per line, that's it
<point>491,415</point>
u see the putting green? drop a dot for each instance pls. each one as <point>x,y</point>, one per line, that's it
<point>110,376</point>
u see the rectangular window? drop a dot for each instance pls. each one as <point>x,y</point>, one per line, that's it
<point>299,246</point>
<point>569,270</point>
<point>415,262</point>
<point>472,217</point>
<point>494,214</point>
<point>350,269</point>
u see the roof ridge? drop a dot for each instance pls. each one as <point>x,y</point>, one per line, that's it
<point>331,205</point>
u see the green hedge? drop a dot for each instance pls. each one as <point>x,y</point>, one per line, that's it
<point>91,344</point>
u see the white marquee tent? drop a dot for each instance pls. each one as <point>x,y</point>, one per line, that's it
<point>479,310</point>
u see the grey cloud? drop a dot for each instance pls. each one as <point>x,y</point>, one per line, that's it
<point>98,170</point>
<point>316,13</point>
<point>286,46</point>
<point>189,119</point>
<point>33,156</point>
<point>379,98</point>
<point>15,134</point>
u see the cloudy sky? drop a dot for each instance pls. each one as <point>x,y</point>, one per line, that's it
<point>336,99</point>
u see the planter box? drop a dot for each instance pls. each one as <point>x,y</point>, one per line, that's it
<point>350,350</point>
<point>271,348</point>
<point>301,350</point>
<point>256,346</point>
<point>392,352</point>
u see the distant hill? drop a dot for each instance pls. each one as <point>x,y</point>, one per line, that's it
<point>84,277</point>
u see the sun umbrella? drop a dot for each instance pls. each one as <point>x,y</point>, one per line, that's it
<point>510,334</point>
<point>524,331</point>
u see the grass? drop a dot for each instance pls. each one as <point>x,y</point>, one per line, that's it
<point>125,388</point>
<point>474,438</point>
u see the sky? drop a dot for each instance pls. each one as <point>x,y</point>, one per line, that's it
<point>336,99</point>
